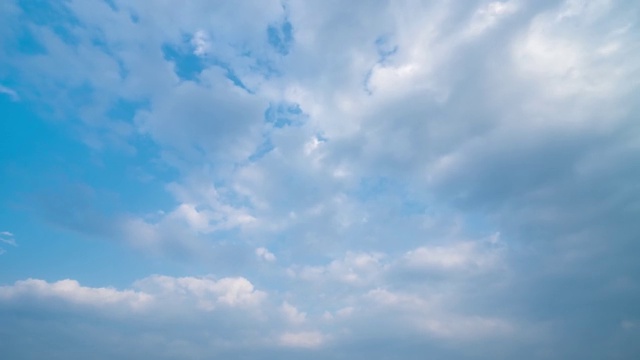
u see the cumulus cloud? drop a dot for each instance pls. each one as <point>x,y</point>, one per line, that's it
<point>208,292</point>
<point>153,293</point>
<point>265,254</point>
<point>292,314</point>
<point>71,291</point>
<point>200,42</point>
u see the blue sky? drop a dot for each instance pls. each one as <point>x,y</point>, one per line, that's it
<point>286,179</point>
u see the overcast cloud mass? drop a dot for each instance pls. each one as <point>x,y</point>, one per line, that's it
<point>294,179</point>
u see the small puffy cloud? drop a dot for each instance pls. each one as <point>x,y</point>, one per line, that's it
<point>265,254</point>
<point>304,339</point>
<point>292,314</point>
<point>201,43</point>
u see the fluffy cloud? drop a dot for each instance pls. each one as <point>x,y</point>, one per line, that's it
<point>207,292</point>
<point>265,254</point>
<point>71,291</point>
<point>152,292</point>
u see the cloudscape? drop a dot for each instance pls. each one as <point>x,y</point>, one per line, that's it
<point>307,179</point>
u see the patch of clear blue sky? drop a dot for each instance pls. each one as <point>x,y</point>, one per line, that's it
<point>280,36</point>
<point>55,15</point>
<point>278,115</point>
<point>40,160</point>
<point>284,114</point>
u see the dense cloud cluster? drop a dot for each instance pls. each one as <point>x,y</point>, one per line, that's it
<point>380,179</point>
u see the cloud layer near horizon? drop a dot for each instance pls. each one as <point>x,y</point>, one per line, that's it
<point>389,179</point>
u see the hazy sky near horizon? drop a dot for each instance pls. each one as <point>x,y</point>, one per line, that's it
<point>286,179</point>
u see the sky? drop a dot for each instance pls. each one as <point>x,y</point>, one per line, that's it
<point>286,179</point>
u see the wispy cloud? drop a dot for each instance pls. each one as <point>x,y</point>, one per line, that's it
<point>12,94</point>
<point>7,237</point>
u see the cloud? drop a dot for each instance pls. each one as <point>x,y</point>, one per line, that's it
<point>208,292</point>
<point>354,269</point>
<point>153,293</point>
<point>292,314</point>
<point>200,43</point>
<point>10,93</point>
<point>71,291</point>
<point>7,238</point>
<point>302,339</point>
<point>265,254</point>
<point>453,257</point>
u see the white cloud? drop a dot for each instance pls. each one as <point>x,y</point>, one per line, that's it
<point>354,268</point>
<point>265,254</point>
<point>207,292</point>
<point>566,63</point>
<point>7,238</point>
<point>201,43</point>
<point>454,257</point>
<point>72,292</point>
<point>388,298</point>
<point>154,292</point>
<point>304,339</point>
<point>292,314</point>
<point>433,316</point>
<point>486,17</point>
<point>12,94</point>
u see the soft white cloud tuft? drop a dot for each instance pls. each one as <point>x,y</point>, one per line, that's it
<point>207,292</point>
<point>71,291</point>
<point>453,257</point>
<point>304,339</point>
<point>265,254</point>
<point>201,43</point>
<point>292,314</point>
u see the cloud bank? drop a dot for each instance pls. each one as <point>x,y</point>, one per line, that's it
<point>390,179</point>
